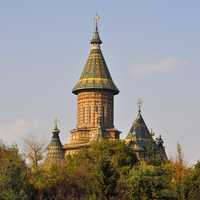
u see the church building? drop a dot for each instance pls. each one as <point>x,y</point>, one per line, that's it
<point>95,91</point>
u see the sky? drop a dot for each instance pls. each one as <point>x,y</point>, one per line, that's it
<point>151,48</point>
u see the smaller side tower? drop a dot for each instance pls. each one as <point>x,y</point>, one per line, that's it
<point>55,148</point>
<point>141,140</point>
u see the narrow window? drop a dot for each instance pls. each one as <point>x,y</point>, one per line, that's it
<point>83,115</point>
<point>89,114</point>
<point>96,109</point>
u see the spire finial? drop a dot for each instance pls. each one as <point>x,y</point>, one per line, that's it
<point>96,41</point>
<point>140,102</point>
<point>56,122</point>
<point>55,127</point>
<point>96,21</point>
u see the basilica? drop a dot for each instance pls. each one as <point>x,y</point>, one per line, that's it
<point>95,91</point>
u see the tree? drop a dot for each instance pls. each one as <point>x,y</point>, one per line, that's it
<point>33,151</point>
<point>150,182</point>
<point>179,157</point>
<point>108,162</point>
<point>14,182</point>
<point>180,171</point>
<point>57,183</point>
<point>192,183</point>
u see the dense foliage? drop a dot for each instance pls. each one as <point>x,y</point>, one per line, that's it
<point>106,171</point>
<point>14,181</point>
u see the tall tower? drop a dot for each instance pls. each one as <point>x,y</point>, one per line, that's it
<point>95,92</point>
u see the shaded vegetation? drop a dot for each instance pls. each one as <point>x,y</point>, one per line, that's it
<point>14,181</point>
<point>106,171</point>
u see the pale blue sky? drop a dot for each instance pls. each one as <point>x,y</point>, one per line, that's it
<point>151,48</point>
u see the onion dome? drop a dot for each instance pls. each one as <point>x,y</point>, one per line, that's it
<point>55,148</point>
<point>95,74</point>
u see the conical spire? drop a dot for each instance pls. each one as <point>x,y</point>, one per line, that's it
<point>96,38</point>
<point>142,141</point>
<point>95,74</point>
<point>55,148</point>
<point>139,127</point>
<point>55,127</point>
<point>140,102</point>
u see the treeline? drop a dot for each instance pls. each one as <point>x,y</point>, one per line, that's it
<point>106,171</point>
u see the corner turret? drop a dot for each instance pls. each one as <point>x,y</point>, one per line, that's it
<point>55,148</point>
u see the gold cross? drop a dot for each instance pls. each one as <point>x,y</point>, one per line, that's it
<point>96,20</point>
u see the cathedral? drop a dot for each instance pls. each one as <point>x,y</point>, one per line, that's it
<point>95,91</point>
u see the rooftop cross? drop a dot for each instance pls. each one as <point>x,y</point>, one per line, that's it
<point>96,21</point>
<point>96,41</point>
<point>140,102</point>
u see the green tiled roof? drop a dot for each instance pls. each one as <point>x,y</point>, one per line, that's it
<point>96,38</point>
<point>139,131</point>
<point>55,148</point>
<point>130,136</point>
<point>95,74</point>
<point>139,128</point>
<point>141,140</point>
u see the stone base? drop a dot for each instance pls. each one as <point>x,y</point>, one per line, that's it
<point>71,149</point>
<point>81,138</point>
<point>84,135</point>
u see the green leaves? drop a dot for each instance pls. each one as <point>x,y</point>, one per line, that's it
<point>192,183</point>
<point>150,182</point>
<point>105,171</point>
<point>106,163</point>
<point>13,175</point>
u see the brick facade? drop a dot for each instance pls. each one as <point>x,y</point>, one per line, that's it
<point>92,104</point>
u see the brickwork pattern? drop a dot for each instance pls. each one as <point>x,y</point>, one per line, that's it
<point>91,105</point>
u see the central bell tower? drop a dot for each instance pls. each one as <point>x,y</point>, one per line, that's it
<point>95,92</point>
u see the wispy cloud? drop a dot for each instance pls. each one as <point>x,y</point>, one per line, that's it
<point>15,131</point>
<point>161,65</point>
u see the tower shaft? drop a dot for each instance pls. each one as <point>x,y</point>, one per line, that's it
<point>91,105</point>
<point>95,92</point>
